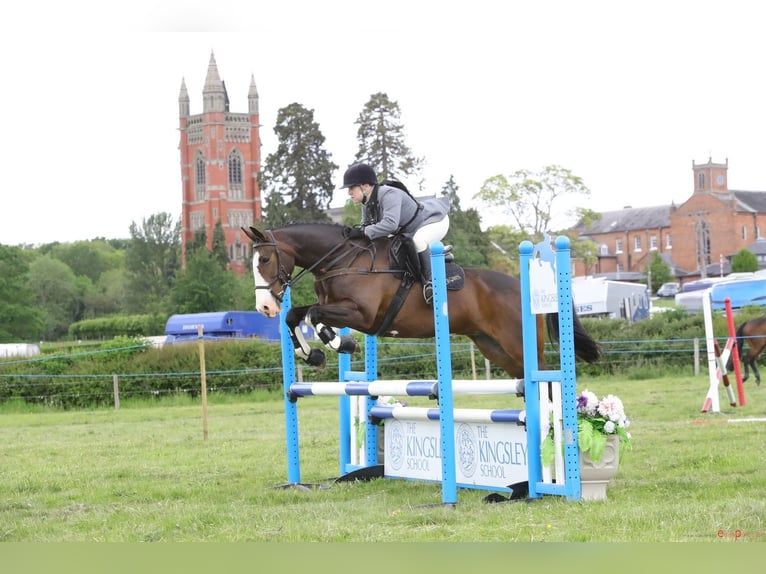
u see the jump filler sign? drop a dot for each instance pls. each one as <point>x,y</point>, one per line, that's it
<point>489,455</point>
<point>492,455</point>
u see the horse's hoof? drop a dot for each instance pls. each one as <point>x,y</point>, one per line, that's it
<point>316,358</point>
<point>348,345</point>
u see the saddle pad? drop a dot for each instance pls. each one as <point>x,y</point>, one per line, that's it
<point>455,276</point>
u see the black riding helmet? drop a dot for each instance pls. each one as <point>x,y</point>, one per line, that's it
<point>359,174</point>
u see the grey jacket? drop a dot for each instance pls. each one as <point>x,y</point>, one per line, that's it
<point>389,211</point>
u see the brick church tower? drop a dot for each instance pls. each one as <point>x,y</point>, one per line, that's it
<point>220,163</point>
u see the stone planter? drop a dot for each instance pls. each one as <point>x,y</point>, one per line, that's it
<point>595,476</point>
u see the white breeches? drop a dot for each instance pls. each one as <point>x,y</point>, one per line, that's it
<point>429,233</point>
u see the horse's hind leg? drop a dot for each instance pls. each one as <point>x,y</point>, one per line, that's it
<point>746,362</point>
<point>756,373</point>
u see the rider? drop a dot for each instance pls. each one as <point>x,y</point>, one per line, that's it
<point>389,210</point>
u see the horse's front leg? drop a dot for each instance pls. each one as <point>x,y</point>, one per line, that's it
<point>318,317</point>
<point>312,357</point>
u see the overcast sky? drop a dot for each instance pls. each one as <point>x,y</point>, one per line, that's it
<point>624,94</point>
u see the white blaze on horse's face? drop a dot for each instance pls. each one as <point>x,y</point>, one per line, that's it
<point>264,301</point>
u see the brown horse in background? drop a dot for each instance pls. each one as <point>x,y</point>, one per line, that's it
<point>355,286</point>
<point>754,331</point>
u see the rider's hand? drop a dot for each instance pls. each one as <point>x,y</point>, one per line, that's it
<point>353,233</point>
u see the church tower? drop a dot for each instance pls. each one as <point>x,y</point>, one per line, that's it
<point>220,163</point>
<point>711,176</point>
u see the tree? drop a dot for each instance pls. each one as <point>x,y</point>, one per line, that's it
<point>219,251</point>
<point>20,318</point>
<point>505,241</point>
<point>88,258</point>
<point>528,197</point>
<point>106,297</point>
<point>580,248</point>
<point>151,262</point>
<point>382,143</point>
<point>297,177</point>
<point>743,261</point>
<point>659,271</point>
<point>470,243</point>
<point>59,295</point>
<point>203,286</point>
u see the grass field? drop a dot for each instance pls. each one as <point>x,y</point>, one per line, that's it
<point>144,473</point>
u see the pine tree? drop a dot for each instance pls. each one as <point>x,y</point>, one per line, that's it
<point>469,242</point>
<point>382,141</point>
<point>297,177</point>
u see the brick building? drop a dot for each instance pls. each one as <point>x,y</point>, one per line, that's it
<point>220,162</point>
<point>696,239</point>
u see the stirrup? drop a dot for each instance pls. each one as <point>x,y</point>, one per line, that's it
<point>428,292</point>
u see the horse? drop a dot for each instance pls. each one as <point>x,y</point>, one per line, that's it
<point>356,281</point>
<point>754,331</point>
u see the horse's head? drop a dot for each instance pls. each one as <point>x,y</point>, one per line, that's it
<point>271,271</point>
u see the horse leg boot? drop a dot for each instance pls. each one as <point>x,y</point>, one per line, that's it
<point>425,275</point>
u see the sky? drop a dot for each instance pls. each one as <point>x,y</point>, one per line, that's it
<point>626,95</point>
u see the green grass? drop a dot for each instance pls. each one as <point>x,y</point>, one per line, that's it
<point>144,473</point>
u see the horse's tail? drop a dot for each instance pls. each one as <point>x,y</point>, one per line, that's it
<point>585,347</point>
<point>739,343</point>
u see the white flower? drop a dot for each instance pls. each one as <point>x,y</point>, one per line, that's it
<point>611,408</point>
<point>609,427</point>
<point>587,403</point>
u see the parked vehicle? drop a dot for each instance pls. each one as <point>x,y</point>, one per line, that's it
<point>599,297</point>
<point>668,290</point>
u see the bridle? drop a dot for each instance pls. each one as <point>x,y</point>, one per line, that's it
<point>284,278</point>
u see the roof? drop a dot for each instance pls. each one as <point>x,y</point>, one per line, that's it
<point>754,201</point>
<point>224,323</point>
<point>629,219</point>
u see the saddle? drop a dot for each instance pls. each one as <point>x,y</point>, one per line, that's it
<point>404,261</point>
<point>405,265</point>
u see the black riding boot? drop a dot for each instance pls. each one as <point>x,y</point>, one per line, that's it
<point>425,275</point>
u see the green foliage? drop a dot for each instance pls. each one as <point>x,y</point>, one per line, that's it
<point>743,261</point>
<point>352,213</point>
<point>203,286</point>
<point>116,326</point>
<point>382,140</point>
<point>58,294</point>
<point>20,318</point>
<point>505,241</point>
<point>297,177</point>
<point>219,251</point>
<point>471,246</point>
<point>659,271</point>
<point>528,197</point>
<point>151,261</point>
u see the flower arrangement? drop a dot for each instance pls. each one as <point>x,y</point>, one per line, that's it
<point>596,420</point>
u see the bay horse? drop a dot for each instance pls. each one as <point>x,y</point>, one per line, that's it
<point>754,331</point>
<point>355,284</point>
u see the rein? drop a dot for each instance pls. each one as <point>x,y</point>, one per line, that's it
<point>286,280</point>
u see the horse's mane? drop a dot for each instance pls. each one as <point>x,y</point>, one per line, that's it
<point>303,223</point>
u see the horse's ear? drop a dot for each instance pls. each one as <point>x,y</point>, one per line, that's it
<point>254,234</point>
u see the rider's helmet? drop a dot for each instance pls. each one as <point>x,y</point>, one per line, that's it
<point>358,174</point>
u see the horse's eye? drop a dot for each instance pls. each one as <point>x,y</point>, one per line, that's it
<point>264,259</point>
